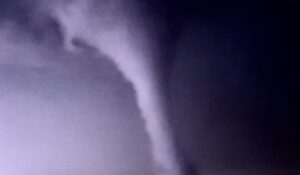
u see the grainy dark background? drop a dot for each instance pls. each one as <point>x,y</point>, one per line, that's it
<point>234,82</point>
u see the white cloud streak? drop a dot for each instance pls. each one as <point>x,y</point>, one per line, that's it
<point>125,42</point>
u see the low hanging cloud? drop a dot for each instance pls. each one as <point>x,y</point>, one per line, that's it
<point>130,46</point>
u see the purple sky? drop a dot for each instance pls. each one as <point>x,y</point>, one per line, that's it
<point>73,113</point>
<point>62,113</point>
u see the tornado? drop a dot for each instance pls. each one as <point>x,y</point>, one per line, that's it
<point>116,29</point>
